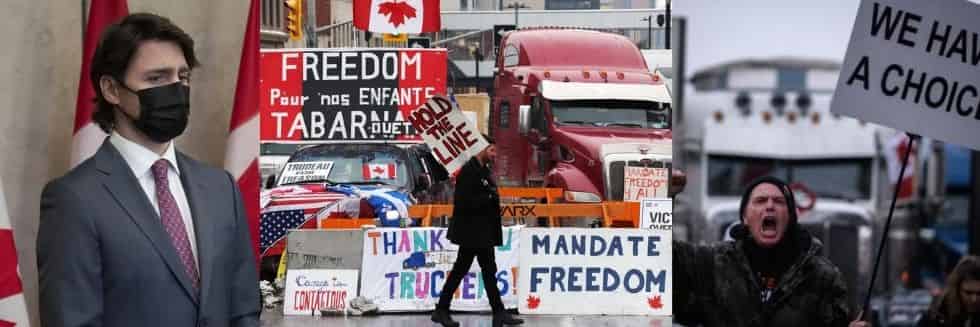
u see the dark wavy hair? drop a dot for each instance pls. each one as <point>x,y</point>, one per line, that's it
<point>117,45</point>
<point>950,306</point>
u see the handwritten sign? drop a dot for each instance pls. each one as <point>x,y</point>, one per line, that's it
<point>613,271</point>
<point>310,291</point>
<point>452,138</point>
<point>405,269</point>
<point>912,65</point>
<point>346,94</point>
<point>657,214</point>
<point>642,183</point>
<point>297,172</point>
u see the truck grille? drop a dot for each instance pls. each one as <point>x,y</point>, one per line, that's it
<point>841,242</point>
<point>617,171</point>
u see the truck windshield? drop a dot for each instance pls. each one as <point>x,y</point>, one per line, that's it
<point>847,179</point>
<point>360,163</point>
<point>608,113</point>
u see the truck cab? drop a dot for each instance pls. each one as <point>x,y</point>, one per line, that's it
<point>572,108</point>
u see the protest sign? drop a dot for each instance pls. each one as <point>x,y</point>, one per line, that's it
<point>346,94</point>
<point>656,214</point>
<point>641,183</point>
<point>611,271</point>
<point>296,172</point>
<point>309,291</point>
<point>453,138</point>
<point>405,269</point>
<point>912,65</point>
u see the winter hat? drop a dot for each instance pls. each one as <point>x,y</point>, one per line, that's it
<point>740,231</point>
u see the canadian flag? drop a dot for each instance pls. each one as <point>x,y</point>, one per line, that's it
<point>379,171</point>
<point>13,309</point>
<point>397,16</point>
<point>87,136</point>
<point>895,152</point>
<point>242,152</point>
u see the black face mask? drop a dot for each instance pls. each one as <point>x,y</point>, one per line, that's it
<point>164,111</point>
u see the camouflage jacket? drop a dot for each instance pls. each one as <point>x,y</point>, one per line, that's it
<point>715,286</point>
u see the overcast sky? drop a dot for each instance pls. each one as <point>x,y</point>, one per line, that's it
<point>724,30</point>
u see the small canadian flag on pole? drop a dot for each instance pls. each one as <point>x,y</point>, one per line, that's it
<point>379,171</point>
<point>13,309</point>
<point>397,16</point>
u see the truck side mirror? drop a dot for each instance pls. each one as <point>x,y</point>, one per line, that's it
<point>524,119</point>
<point>270,182</point>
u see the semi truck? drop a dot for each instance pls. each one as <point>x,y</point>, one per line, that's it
<point>573,108</point>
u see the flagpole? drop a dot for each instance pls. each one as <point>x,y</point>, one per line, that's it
<point>884,233</point>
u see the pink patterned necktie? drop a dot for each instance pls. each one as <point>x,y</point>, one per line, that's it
<point>173,222</point>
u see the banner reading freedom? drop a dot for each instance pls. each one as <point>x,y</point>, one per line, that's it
<point>346,95</point>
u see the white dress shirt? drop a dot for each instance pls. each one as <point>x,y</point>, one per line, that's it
<point>140,160</point>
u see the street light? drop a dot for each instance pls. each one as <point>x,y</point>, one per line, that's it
<point>517,6</point>
<point>477,56</point>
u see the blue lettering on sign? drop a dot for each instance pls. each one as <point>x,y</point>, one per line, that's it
<point>593,245</point>
<point>540,241</point>
<point>578,244</point>
<point>436,237</point>
<point>598,279</point>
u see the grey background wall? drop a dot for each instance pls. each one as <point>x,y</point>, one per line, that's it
<point>39,69</point>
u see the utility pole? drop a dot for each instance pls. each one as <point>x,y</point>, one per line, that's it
<point>667,30</point>
<point>649,20</point>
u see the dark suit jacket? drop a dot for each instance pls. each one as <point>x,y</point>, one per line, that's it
<point>105,260</point>
<point>476,208</point>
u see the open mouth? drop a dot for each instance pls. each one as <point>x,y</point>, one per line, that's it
<point>769,226</point>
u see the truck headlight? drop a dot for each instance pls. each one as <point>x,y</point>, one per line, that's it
<point>571,196</point>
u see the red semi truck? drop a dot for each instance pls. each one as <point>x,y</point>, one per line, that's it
<point>573,108</point>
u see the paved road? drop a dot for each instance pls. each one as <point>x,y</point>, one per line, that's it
<point>273,319</point>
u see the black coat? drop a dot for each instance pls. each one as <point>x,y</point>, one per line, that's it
<point>476,208</point>
<point>714,286</point>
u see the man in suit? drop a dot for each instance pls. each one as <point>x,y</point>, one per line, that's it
<point>476,228</point>
<point>141,234</point>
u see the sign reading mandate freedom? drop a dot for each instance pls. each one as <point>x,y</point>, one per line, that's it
<point>346,94</point>
<point>915,66</point>
<point>611,271</point>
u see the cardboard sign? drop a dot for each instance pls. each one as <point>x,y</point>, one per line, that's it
<point>452,138</point>
<point>346,94</point>
<point>310,291</point>
<point>913,65</point>
<point>296,172</point>
<point>585,271</point>
<point>405,269</point>
<point>641,183</point>
<point>657,214</point>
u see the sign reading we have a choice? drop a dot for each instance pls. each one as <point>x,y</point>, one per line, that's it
<point>915,66</point>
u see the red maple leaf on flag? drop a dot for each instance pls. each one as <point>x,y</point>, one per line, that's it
<point>533,302</point>
<point>397,12</point>
<point>655,302</point>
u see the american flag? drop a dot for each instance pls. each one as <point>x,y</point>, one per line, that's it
<point>295,207</point>
<point>276,223</point>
